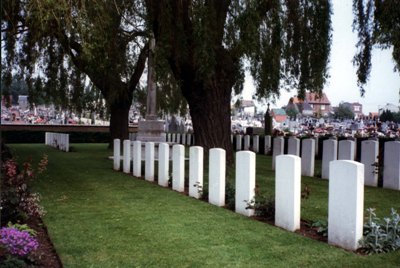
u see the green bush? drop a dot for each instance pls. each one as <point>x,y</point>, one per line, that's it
<point>381,235</point>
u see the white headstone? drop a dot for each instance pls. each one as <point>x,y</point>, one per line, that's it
<point>137,158</point>
<point>178,138</point>
<point>329,153</point>
<point>346,150</point>
<point>149,161</point>
<point>246,146</point>
<point>256,143</point>
<point>127,156</point>
<point>117,154</point>
<point>369,155</point>
<point>277,150</point>
<point>189,139</point>
<point>238,142</point>
<point>346,203</point>
<point>169,139</point>
<point>173,137</point>
<point>245,181</point>
<point>216,191</point>
<point>196,156</point>
<point>308,157</point>
<point>178,168</point>
<point>391,165</point>
<point>288,192</point>
<point>294,146</point>
<point>267,144</point>
<point>163,164</point>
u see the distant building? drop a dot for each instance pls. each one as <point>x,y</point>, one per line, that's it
<point>246,107</point>
<point>320,104</point>
<point>279,115</point>
<point>355,107</point>
<point>303,106</point>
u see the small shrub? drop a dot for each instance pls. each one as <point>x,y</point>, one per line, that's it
<point>230,196</point>
<point>381,235</point>
<point>322,227</point>
<point>17,201</point>
<point>22,227</point>
<point>16,242</point>
<point>263,206</point>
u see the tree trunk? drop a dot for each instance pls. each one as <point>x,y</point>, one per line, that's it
<point>119,121</point>
<point>210,112</point>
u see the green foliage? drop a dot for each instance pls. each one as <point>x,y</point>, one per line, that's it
<point>376,23</point>
<point>22,227</point>
<point>263,206</point>
<point>381,235</point>
<point>13,262</point>
<point>344,112</point>
<point>322,227</point>
<point>388,115</point>
<point>230,195</point>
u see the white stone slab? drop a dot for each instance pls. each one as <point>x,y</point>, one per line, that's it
<point>217,170</point>
<point>163,164</point>
<point>391,165</point>
<point>149,161</point>
<point>329,153</point>
<point>277,150</point>
<point>245,182</point>
<point>246,145</point>
<point>346,203</point>
<point>267,144</point>
<point>126,156</point>
<point>137,158</point>
<point>308,157</point>
<point>294,146</point>
<point>178,168</point>
<point>238,142</point>
<point>346,150</point>
<point>288,192</point>
<point>256,144</point>
<point>196,162</point>
<point>189,139</point>
<point>369,154</point>
<point>178,138</point>
<point>117,154</point>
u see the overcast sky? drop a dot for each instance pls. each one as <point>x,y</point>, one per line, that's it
<point>383,86</point>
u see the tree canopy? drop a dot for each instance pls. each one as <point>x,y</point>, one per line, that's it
<point>207,45</point>
<point>377,23</point>
<point>63,42</point>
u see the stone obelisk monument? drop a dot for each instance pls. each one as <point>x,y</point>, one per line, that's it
<point>151,128</point>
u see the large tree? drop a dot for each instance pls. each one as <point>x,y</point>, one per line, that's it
<point>377,23</point>
<point>62,41</point>
<point>208,43</point>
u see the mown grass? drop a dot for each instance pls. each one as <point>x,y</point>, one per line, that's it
<point>97,217</point>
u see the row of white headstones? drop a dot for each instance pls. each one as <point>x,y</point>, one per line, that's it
<point>345,150</point>
<point>346,184</point>
<point>332,150</point>
<point>57,140</point>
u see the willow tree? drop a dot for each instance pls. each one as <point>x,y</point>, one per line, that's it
<point>377,23</point>
<point>208,44</point>
<point>62,41</point>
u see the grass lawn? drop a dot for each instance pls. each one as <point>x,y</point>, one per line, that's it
<point>98,217</point>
